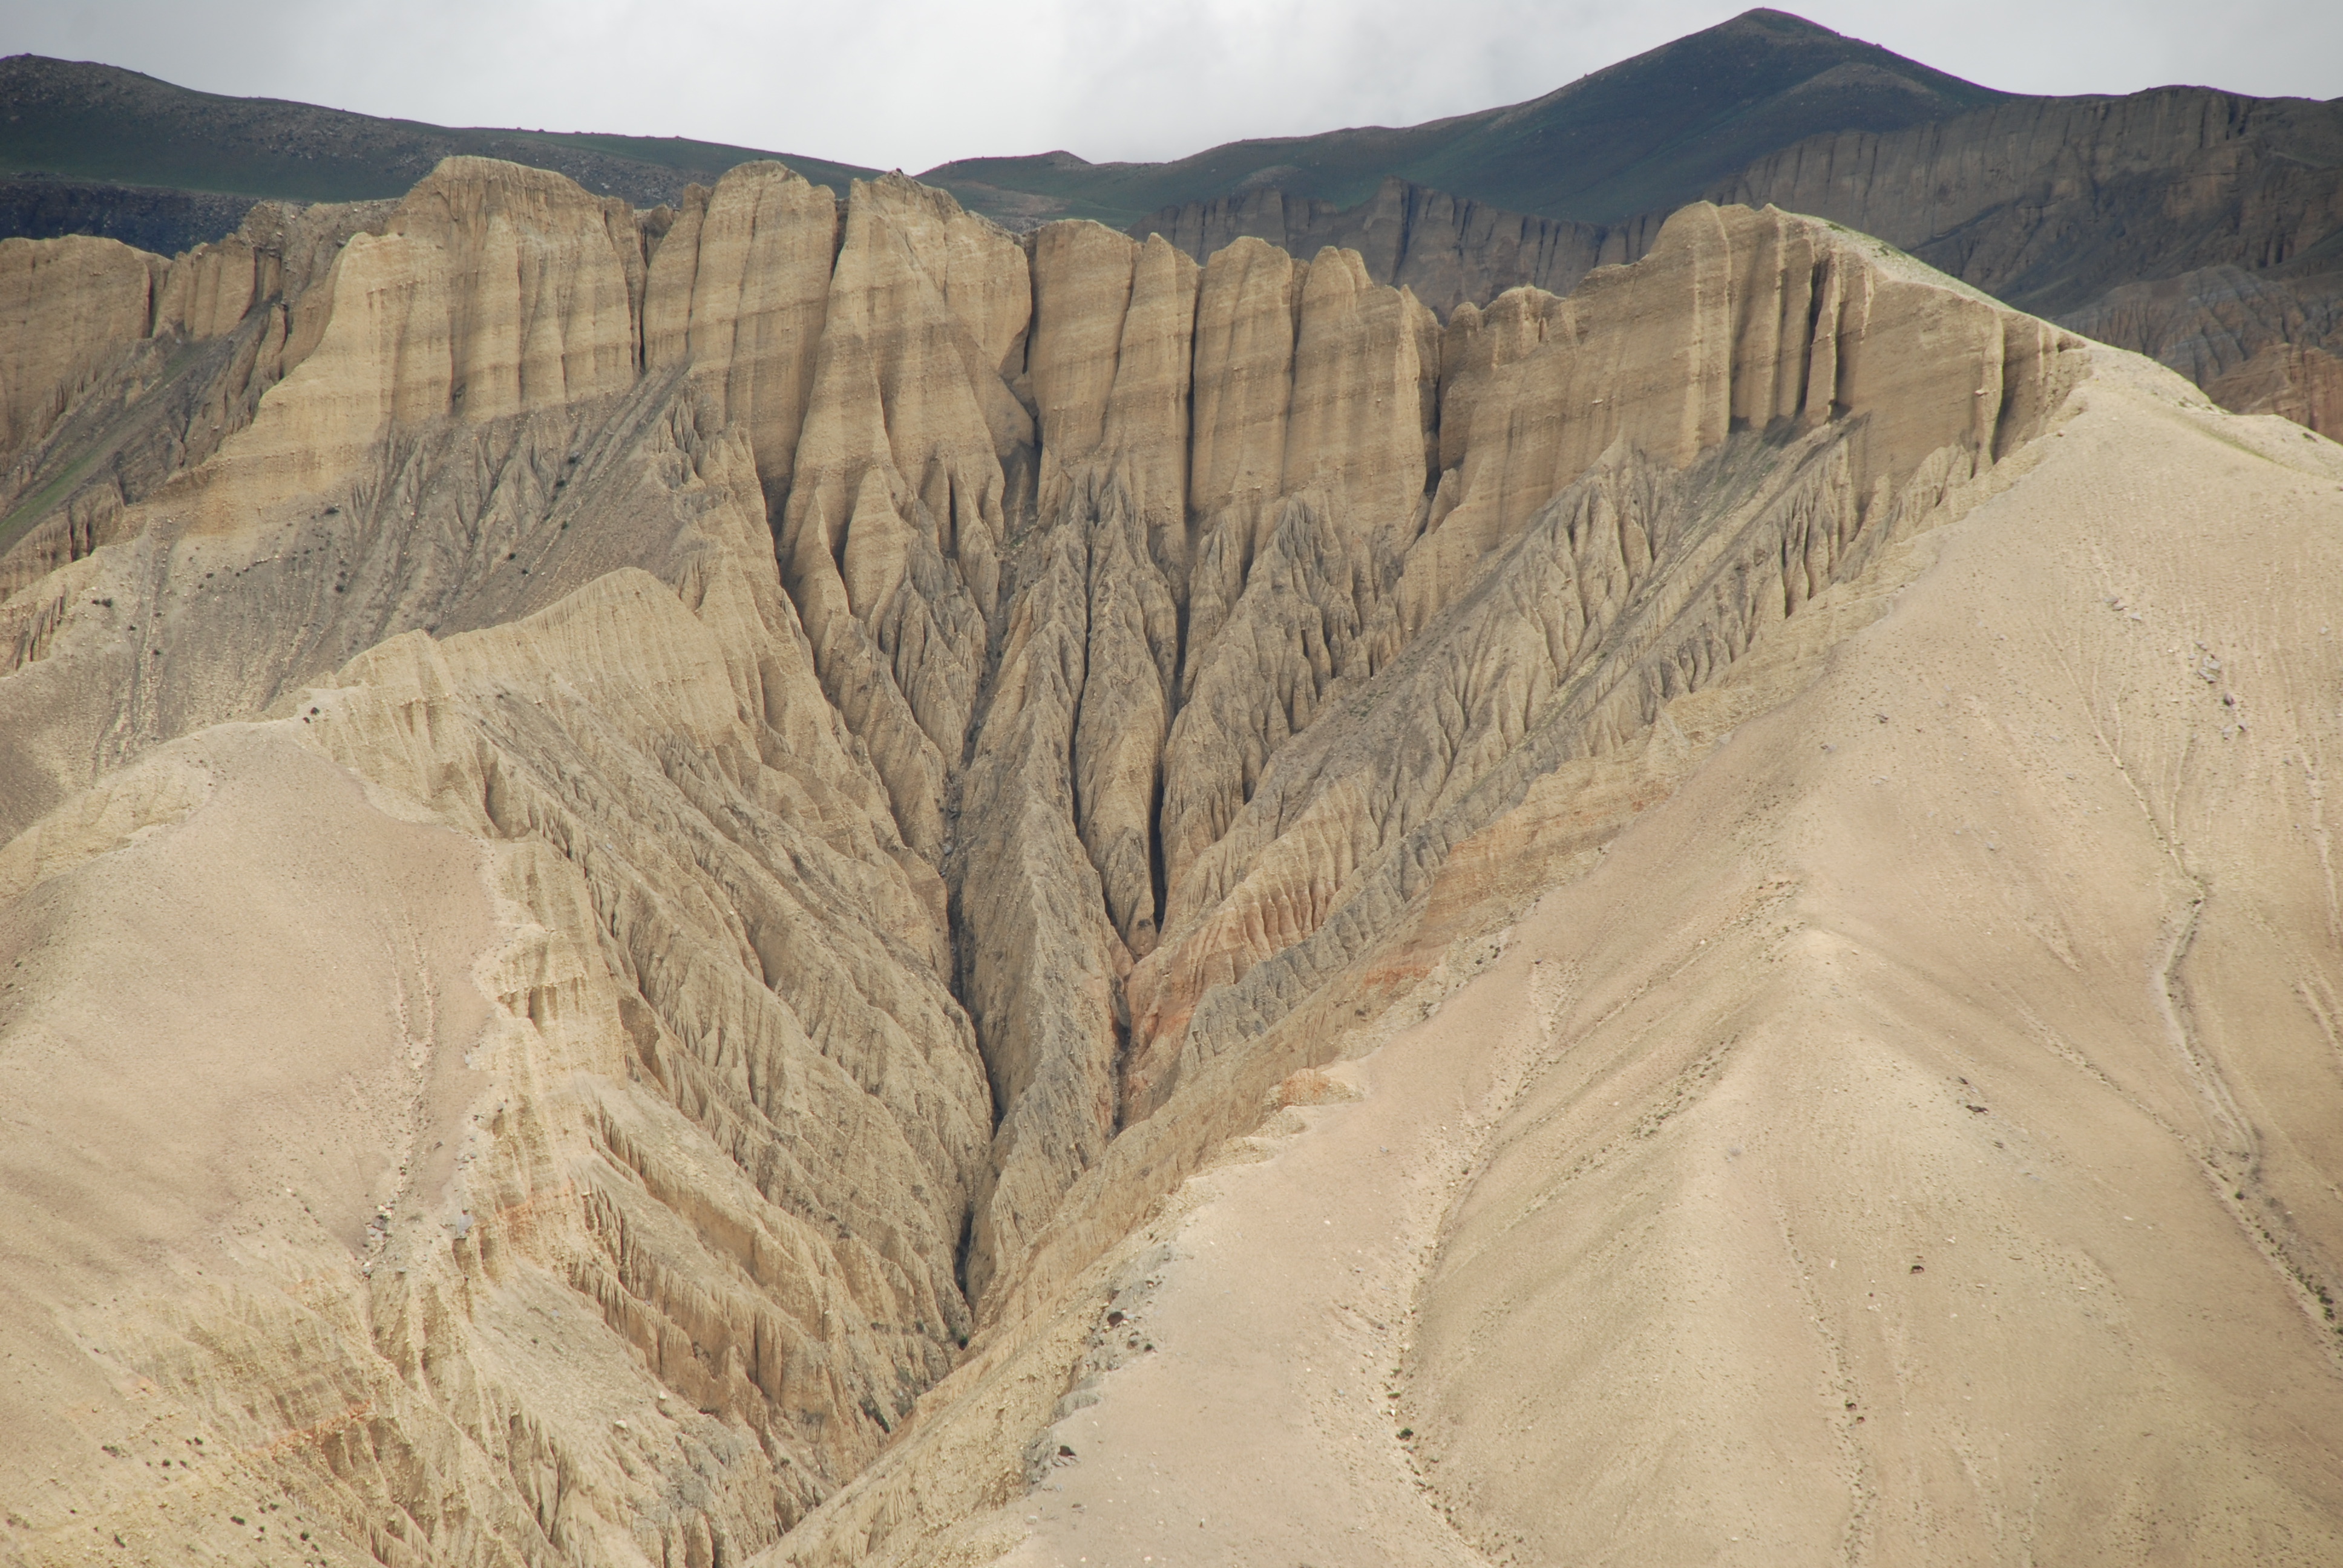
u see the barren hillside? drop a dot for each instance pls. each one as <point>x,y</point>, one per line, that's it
<point>733,880</point>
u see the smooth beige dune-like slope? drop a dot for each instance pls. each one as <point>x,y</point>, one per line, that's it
<point>643,850</point>
<point>1972,1022</point>
<point>1909,1142</point>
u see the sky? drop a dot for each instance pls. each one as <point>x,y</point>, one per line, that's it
<point>910,83</point>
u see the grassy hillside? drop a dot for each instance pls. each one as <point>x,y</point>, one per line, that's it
<point>93,122</point>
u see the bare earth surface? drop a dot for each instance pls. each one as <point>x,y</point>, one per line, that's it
<point>228,1045</point>
<point>1891,1151</point>
<point>797,883</point>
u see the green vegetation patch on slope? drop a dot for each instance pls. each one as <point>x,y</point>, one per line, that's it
<point>94,122</point>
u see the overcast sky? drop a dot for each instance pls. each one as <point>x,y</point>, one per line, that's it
<point>911,82</point>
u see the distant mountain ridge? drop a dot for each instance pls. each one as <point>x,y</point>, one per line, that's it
<point>1653,131</point>
<point>155,218</point>
<point>95,123</point>
<point>1650,132</point>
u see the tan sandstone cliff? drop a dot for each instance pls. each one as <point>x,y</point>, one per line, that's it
<point>697,815</point>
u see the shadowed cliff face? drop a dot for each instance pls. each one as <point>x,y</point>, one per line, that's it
<point>2194,226</point>
<point>897,706</point>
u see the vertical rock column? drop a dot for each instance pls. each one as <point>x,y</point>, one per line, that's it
<point>63,304</point>
<point>1244,391</point>
<point>1113,344</point>
<point>1312,515</point>
<point>739,287</point>
<point>890,537</point>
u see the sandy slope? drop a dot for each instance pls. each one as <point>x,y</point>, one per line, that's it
<point>229,1042</point>
<point>1916,1141</point>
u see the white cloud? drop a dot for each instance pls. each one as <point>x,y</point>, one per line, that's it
<point>912,83</point>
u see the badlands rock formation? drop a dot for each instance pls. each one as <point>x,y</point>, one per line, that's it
<point>1445,249</point>
<point>2196,227</point>
<point>1726,1215</point>
<point>643,850</point>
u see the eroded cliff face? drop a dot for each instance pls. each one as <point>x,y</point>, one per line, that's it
<point>1447,250</point>
<point>902,715</point>
<point>2192,226</point>
<point>122,369</point>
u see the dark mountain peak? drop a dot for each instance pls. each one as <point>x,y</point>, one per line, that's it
<point>1759,52</point>
<point>1656,129</point>
<point>1008,167</point>
<point>1765,18</point>
<point>1648,132</point>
